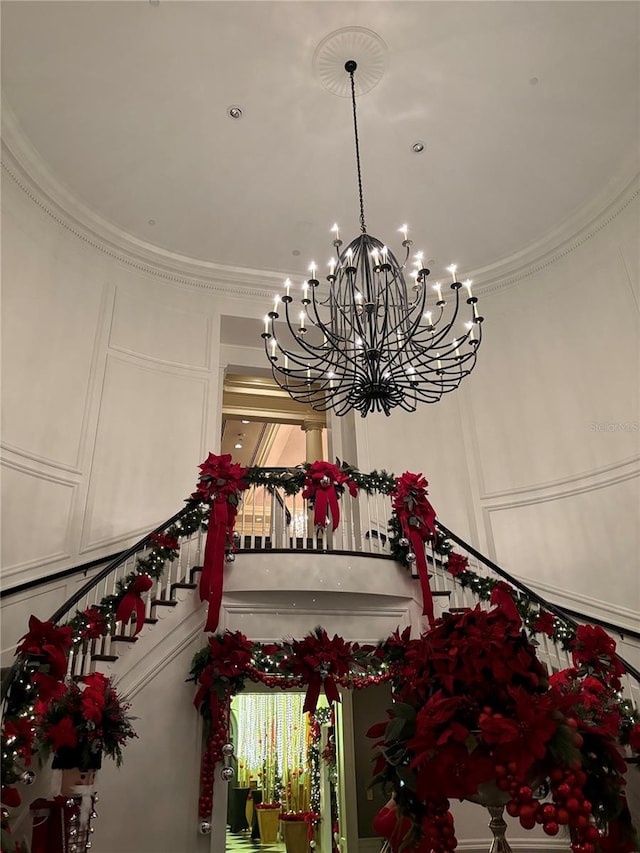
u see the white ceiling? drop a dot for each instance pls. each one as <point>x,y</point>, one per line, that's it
<point>126,103</point>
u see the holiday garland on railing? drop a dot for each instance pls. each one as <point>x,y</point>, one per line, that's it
<point>43,655</point>
<point>230,660</point>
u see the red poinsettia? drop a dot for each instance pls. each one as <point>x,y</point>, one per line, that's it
<point>165,542</point>
<point>322,482</point>
<point>62,734</point>
<point>544,623</point>
<point>318,660</point>
<point>595,649</point>
<point>89,717</point>
<point>46,640</point>
<point>95,625</point>
<point>457,564</point>
<point>228,660</point>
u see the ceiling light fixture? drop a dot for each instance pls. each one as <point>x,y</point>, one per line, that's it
<point>368,344</point>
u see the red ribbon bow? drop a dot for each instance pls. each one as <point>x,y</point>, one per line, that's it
<point>132,601</point>
<point>220,482</point>
<point>320,486</point>
<point>318,660</point>
<point>418,521</point>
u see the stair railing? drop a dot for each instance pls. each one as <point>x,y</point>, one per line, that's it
<point>270,519</point>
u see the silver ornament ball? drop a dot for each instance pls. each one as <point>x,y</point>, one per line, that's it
<point>227,774</point>
<point>325,481</point>
<point>403,542</point>
<point>411,557</point>
<point>204,828</point>
<point>230,557</point>
<point>28,777</point>
<point>227,749</point>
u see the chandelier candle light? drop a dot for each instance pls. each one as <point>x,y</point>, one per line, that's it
<point>372,343</point>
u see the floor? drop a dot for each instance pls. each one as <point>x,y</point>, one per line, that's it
<point>241,842</point>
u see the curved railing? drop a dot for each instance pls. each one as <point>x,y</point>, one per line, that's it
<point>273,516</point>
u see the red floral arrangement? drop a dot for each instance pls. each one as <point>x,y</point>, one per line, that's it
<point>221,484</point>
<point>323,483</point>
<point>418,523</point>
<point>271,806</point>
<point>88,720</point>
<point>318,661</point>
<point>477,714</point>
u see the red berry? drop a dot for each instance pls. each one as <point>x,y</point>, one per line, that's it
<point>551,828</point>
<point>562,816</point>
<point>513,809</point>
<point>525,792</point>
<point>564,790</point>
<point>527,823</point>
<point>573,805</point>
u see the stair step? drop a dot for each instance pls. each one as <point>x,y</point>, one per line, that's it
<point>183,586</point>
<point>123,638</point>
<point>163,602</point>
<point>150,620</point>
<point>107,658</point>
<point>459,609</point>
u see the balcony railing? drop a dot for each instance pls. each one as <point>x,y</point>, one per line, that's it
<point>270,519</point>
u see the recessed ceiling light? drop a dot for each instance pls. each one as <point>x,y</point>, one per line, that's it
<point>238,446</point>
<point>234,111</point>
<point>417,147</point>
<point>244,422</point>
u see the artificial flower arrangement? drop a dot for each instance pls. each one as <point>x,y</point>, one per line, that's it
<point>83,723</point>
<point>477,717</point>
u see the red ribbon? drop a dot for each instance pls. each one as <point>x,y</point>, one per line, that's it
<point>320,486</point>
<point>206,684</point>
<point>132,601</point>
<point>316,682</point>
<point>221,524</point>
<point>417,518</point>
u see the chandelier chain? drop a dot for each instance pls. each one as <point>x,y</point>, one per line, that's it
<point>363,227</point>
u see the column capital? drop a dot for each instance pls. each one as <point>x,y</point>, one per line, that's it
<point>313,424</point>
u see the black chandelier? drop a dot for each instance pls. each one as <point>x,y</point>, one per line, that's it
<point>372,343</point>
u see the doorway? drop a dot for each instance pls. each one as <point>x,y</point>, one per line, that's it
<point>285,756</point>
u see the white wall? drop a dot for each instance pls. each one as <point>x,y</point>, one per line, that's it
<point>536,457</point>
<point>110,392</point>
<point>112,379</point>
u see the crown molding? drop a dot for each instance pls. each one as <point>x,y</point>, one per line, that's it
<point>620,192</point>
<point>23,163</point>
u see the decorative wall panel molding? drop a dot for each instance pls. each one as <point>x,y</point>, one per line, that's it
<point>37,511</point>
<point>148,444</point>
<point>160,331</point>
<point>563,487</point>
